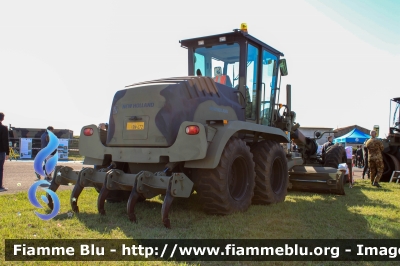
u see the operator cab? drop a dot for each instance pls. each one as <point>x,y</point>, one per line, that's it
<point>395,116</point>
<point>243,63</point>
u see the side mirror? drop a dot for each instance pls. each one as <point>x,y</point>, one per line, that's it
<point>317,134</point>
<point>283,67</point>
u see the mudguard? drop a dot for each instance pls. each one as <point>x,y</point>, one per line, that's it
<point>225,132</point>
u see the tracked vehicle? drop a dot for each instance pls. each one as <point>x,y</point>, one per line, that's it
<point>217,131</point>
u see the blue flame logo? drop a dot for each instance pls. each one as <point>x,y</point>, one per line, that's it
<point>45,162</point>
<point>34,201</point>
<point>44,165</point>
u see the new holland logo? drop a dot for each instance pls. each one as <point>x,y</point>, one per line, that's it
<point>137,105</point>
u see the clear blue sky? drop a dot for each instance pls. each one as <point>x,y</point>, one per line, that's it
<point>62,62</point>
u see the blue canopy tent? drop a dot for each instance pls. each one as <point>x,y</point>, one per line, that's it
<point>353,137</point>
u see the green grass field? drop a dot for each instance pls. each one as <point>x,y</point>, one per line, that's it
<point>75,157</point>
<point>364,213</point>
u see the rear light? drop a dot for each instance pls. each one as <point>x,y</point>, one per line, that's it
<point>88,131</point>
<point>192,130</point>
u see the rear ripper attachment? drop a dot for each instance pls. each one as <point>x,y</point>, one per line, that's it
<point>143,185</point>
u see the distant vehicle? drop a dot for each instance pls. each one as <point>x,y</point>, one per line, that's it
<point>391,144</point>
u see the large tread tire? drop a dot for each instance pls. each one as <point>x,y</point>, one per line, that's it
<point>229,187</point>
<point>272,174</point>
<point>340,188</point>
<point>334,156</point>
<point>391,163</point>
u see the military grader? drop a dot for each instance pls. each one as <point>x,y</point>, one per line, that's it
<point>217,131</point>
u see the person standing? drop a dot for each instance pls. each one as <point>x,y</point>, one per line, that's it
<point>325,147</point>
<point>375,160</point>
<point>4,150</point>
<point>366,169</point>
<point>360,157</point>
<point>355,153</point>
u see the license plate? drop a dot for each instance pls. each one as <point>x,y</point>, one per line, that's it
<point>135,126</point>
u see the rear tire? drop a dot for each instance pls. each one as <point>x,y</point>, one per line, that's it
<point>391,164</point>
<point>272,175</point>
<point>340,188</point>
<point>334,156</point>
<point>230,186</point>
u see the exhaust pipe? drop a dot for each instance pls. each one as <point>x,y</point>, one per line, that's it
<point>289,97</point>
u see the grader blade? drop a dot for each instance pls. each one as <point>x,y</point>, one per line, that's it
<point>316,178</point>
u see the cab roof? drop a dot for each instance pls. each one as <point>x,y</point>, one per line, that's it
<point>396,99</point>
<point>230,37</point>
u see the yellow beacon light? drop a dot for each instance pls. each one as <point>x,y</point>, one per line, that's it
<point>243,27</point>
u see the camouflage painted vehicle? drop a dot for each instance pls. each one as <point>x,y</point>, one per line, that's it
<point>218,133</point>
<point>391,144</point>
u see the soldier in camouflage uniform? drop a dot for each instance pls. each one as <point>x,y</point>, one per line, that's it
<point>375,160</point>
<point>366,168</point>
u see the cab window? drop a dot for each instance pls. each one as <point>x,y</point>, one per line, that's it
<point>251,82</point>
<point>220,62</point>
<point>269,78</point>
